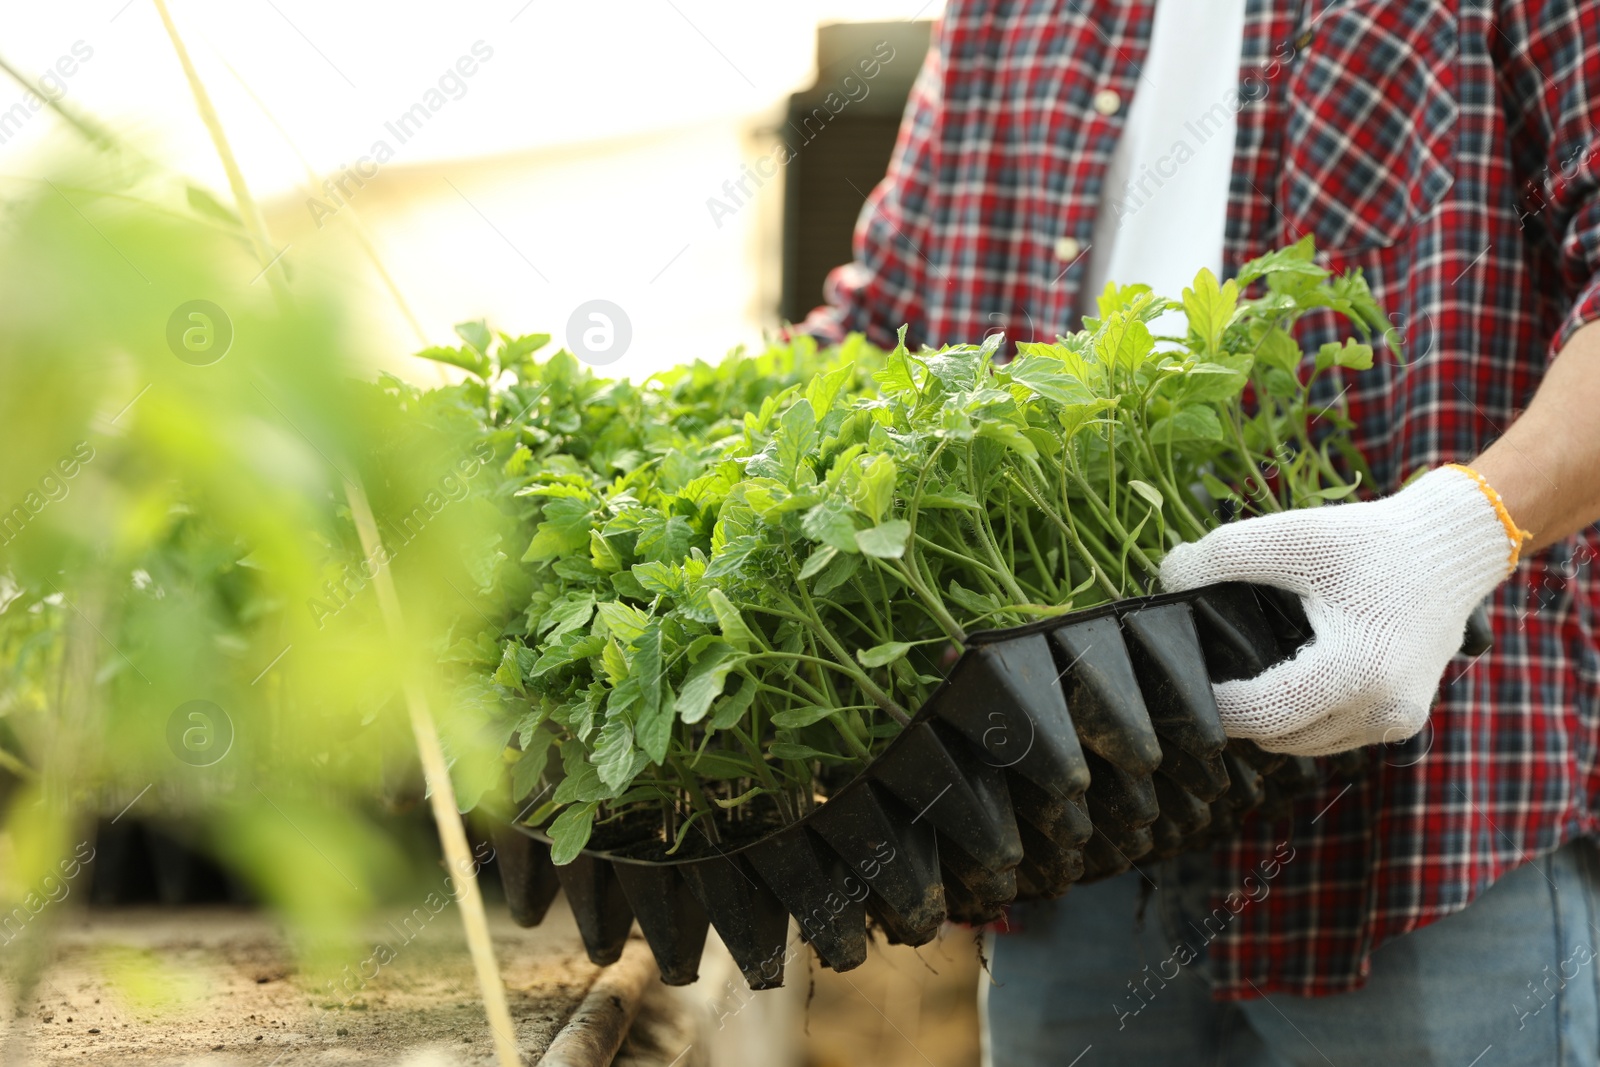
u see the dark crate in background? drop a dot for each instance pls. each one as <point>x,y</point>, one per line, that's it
<point>839,154</point>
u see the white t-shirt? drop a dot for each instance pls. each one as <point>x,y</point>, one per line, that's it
<point>1165,202</point>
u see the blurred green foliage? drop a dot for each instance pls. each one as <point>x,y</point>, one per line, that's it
<point>187,622</point>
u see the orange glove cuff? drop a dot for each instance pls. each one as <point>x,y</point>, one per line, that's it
<point>1515,533</point>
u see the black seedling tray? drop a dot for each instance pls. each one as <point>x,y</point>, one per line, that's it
<point>1058,752</point>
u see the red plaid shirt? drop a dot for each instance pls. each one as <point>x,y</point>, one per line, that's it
<point>1447,150</point>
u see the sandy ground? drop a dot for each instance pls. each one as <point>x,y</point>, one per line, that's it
<point>902,1008</point>
<point>218,987</point>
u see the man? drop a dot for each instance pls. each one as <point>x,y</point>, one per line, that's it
<point>1443,908</point>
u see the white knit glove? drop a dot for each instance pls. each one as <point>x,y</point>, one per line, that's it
<point>1387,584</point>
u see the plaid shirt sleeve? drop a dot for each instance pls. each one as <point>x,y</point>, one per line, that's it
<point>882,289</point>
<point>1549,58</point>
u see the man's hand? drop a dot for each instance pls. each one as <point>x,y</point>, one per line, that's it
<point>1387,584</point>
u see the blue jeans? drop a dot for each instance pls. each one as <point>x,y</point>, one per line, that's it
<point>1477,989</point>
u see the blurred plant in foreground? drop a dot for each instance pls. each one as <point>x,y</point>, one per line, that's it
<point>187,624</point>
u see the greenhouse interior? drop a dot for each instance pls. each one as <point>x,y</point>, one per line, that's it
<point>914,533</point>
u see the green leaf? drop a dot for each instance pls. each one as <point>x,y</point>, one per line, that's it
<point>819,558</point>
<point>1352,355</point>
<point>1352,455</point>
<point>569,649</point>
<point>1198,423</point>
<point>976,603</point>
<point>1293,259</point>
<point>614,662</point>
<point>1333,492</point>
<point>1148,492</point>
<point>481,650</point>
<point>886,540</point>
<point>730,621</point>
<point>785,750</point>
<point>1219,489</point>
<point>565,529</point>
<point>1126,342</point>
<point>748,795</point>
<point>1007,434</point>
<point>555,489</point>
<point>1209,308</point>
<point>663,538</point>
<point>581,781</point>
<point>571,612</point>
<point>799,718</point>
<point>603,556</point>
<point>509,673</point>
<point>875,494</point>
<point>574,569</point>
<point>770,498</point>
<point>954,422</point>
<point>623,697</point>
<point>1114,298</point>
<point>475,363</point>
<point>879,655</point>
<point>729,560</point>
<point>1044,376</point>
<point>653,726</point>
<point>514,351</point>
<point>623,621</point>
<point>705,680</point>
<point>830,523</point>
<point>529,768</point>
<point>1066,357</point>
<point>1211,383</point>
<point>628,586</point>
<point>613,753</point>
<point>475,334</point>
<point>895,379</point>
<point>823,390</point>
<point>570,832</point>
<point>1278,349</point>
<point>1075,417</point>
<point>1327,355</point>
<point>584,711</point>
<point>659,578</point>
<point>795,439</point>
<point>1279,383</point>
<point>949,498</point>
<point>730,709</point>
<point>835,574</point>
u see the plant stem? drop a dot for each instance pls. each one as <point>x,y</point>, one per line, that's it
<point>1038,559</point>
<point>1072,536</point>
<point>1116,527</point>
<point>868,686</point>
<point>1169,487</point>
<point>913,509</point>
<point>1263,495</point>
<point>931,602</point>
<point>811,691</point>
<point>850,738</point>
<point>985,535</point>
<point>975,564</point>
<point>696,796</point>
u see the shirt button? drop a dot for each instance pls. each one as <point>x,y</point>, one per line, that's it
<point>1067,248</point>
<point>1107,101</point>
